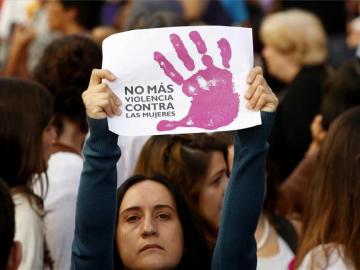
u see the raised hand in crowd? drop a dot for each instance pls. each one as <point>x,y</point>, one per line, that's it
<point>100,101</point>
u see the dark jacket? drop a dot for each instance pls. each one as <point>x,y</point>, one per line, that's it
<point>291,134</point>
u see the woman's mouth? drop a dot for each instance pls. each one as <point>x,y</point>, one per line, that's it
<point>151,246</point>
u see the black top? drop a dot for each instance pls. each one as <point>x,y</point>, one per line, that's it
<point>291,134</point>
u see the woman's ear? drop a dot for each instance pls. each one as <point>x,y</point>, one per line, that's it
<point>318,134</point>
<point>317,130</point>
<point>14,256</point>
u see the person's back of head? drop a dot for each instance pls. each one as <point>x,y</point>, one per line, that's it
<point>342,91</point>
<point>10,251</point>
<point>87,12</point>
<point>25,112</point>
<point>65,69</point>
<point>147,19</point>
<point>332,212</point>
<point>184,159</point>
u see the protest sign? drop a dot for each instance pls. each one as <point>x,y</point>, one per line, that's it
<point>180,79</point>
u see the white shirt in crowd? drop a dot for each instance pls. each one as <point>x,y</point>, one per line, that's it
<point>280,261</point>
<point>316,259</point>
<point>64,169</point>
<point>29,230</point>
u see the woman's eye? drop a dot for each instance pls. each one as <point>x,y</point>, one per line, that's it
<point>164,216</point>
<point>132,218</point>
<point>219,179</point>
<point>216,182</point>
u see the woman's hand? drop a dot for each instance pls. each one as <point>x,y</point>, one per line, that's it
<point>259,94</point>
<point>22,36</point>
<point>98,99</point>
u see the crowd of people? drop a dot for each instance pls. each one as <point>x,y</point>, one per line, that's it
<point>283,195</point>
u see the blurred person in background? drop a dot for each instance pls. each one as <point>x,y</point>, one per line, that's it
<point>26,137</point>
<point>73,17</point>
<point>63,18</point>
<point>65,69</point>
<point>26,39</point>
<point>341,92</point>
<point>215,12</point>
<point>295,51</point>
<point>334,18</point>
<point>331,235</point>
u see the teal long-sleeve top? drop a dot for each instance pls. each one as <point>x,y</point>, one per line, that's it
<point>236,246</point>
<point>96,211</point>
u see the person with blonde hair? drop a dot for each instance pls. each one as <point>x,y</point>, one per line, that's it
<point>295,50</point>
<point>297,35</point>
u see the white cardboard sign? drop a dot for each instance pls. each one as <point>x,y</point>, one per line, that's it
<point>180,79</point>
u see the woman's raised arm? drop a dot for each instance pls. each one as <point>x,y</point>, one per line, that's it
<point>236,245</point>
<point>93,243</point>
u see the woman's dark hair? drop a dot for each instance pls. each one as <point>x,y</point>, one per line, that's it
<point>196,254</point>
<point>332,212</point>
<point>88,11</point>
<point>185,160</point>
<point>65,69</point>
<point>7,223</point>
<point>25,111</point>
<point>342,91</point>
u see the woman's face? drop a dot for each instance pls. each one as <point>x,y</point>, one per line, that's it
<point>56,15</point>
<point>212,192</point>
<point>277,62</point>
<point>149,233</point>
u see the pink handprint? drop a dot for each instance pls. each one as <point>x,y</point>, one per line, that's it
<point>214,103</point>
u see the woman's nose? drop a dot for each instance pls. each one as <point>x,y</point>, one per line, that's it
<point>149,227</point>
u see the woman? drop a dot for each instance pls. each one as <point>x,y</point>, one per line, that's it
<point>25,141</point>
<point>161,225</point>
<point>295,51</point>
<point>64,69</point>
<point>96,205</point>
<point>331,236</point>
<point>144,227</point>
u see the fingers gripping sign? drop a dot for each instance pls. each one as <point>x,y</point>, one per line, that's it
<point>98,98</point>
<point>204,86</point>
<point>259,95</point>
